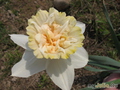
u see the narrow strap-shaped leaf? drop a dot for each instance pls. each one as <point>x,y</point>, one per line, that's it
<point>117,71</point>
<point>104,60</point>
<point>95,87</point>
<point>103,66</point>
<point>114,37</point>
<point>94,69</point>
<point>115,82</point>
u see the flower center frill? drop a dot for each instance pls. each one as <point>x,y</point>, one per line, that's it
<point>53,38</point>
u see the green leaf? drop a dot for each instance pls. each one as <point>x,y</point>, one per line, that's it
<point>114,37</point>
<point>104,60</point>
<point>114,81</point>
<point>94,69</point>
<point>117,71</point>
<point>101,85</point>
<point>103,66</point>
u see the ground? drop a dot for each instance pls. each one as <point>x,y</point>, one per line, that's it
<point>14,15</point>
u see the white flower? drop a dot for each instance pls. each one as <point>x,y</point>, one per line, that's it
<point>54,43</point>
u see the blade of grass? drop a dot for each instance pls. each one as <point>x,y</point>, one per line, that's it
<point>114,37</point>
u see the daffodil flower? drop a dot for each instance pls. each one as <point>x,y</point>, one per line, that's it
<point>54,43</point>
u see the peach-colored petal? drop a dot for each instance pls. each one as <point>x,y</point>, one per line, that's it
<point>55,36</point>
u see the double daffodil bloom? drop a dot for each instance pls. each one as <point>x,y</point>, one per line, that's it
<point>54,43</point>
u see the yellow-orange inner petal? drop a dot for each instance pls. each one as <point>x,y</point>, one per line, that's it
<point>54,40</point>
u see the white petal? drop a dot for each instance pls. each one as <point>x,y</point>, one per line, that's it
<point>61,72</point>
<point>81,25</point>
<point>28,65</point>
<point>21,40</point>
<point>80,58</point>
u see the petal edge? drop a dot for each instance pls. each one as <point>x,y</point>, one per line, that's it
<point>81,25</point>
<point>28,65</point>
<point>21,40</point>
<point>80,58</point>
<point>61,73</point>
